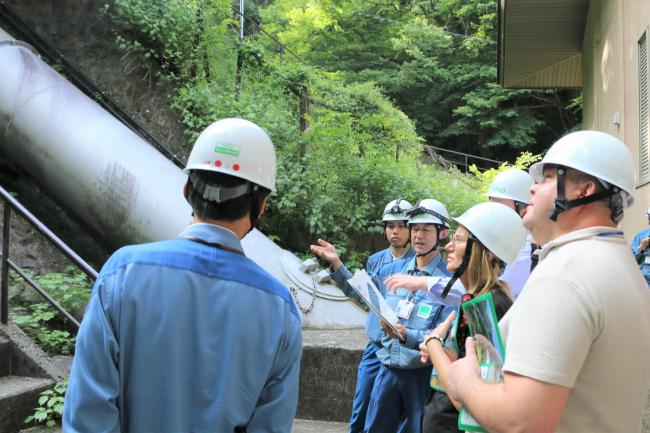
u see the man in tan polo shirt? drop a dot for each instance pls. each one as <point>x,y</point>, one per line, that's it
<point>578,337</point>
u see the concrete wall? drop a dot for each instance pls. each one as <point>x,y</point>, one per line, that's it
<point>611,82</point>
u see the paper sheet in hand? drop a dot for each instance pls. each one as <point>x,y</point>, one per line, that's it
<point>366,289</point>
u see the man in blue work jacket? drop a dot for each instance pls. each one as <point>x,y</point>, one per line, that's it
<point>402,383</point>
<point>394,219</point>
<point>641,249</point>
<point>189,334</point>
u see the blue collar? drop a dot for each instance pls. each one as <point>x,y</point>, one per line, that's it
<point>213,234</point>
<point>430,268</point>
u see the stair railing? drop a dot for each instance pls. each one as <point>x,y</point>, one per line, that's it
<point>11,203</point>
<point>481,163</point>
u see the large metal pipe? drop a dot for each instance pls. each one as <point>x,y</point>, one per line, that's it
<point>116,182</point>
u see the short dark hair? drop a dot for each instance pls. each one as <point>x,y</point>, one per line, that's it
<point>230,210</point>
<point>577,176</point>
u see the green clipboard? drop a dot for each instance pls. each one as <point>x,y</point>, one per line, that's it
<point>482,321</point>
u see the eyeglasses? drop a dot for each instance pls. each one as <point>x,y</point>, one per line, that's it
<point>455,239</point>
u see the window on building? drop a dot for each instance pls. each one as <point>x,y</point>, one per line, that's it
<point>644,111</point>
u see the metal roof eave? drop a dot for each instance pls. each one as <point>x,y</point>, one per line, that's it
<point>540,43</point>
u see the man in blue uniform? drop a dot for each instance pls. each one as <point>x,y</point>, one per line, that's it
<point>189,334</point>
<point>640,249</point>
<point>402,383</point>
<point>397,233</point>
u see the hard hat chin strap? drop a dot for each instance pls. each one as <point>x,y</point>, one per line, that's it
<point>255,208</point>
<point>460,270</point>
<point>561,202</point>
<point>434,245</point>
<point>519,205</point>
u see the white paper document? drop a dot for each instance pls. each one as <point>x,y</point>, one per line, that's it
<point>366,289</point>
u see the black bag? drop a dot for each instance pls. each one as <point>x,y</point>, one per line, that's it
<point>440,416</point>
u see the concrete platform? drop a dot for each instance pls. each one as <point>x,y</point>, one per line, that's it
<point>328,373</point>
<point>310,426</point>
<point>299,426</point>
<point>328,377</point>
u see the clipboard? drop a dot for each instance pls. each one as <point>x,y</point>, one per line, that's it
<point>363,285</point>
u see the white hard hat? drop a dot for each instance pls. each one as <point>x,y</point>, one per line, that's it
<point>238,148</point>
<point>497,227</point>
<point>396,210</point>
<point>512,184</point>
<point>428,211</point>
<point>595,153</point>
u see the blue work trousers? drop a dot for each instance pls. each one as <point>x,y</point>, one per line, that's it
<point>368,368</point>
<point>397,399</point>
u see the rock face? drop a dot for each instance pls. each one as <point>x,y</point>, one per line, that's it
<point>85,37</point>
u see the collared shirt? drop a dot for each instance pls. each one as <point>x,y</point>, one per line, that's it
<point>426,314</point>
<point>375,267</point>
<point>583,322</point>
<point>642,256</point>
<point>179,336</point>
<point>385,257</point>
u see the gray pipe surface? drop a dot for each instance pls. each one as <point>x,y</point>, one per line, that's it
<point>116,182</point>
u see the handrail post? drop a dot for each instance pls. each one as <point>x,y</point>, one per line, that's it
<point>4,286</point>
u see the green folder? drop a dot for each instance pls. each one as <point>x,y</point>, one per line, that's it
<point>484,327</point>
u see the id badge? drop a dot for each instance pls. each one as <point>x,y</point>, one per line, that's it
<point>404,309</point>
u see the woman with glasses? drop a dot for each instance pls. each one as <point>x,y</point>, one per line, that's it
<point>488,237</point>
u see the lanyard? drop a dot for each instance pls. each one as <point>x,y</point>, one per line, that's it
<point>411,296</point>
<point>214,245</point>
<point>607,234</point>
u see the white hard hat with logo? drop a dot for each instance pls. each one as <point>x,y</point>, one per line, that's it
<point>497,227</point>
<point>236,147</point>
<point>396,210</point>
<point>428,211</point>
<point>513,184</point>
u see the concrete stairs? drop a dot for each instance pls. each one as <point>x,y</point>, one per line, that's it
<point>24,374</point>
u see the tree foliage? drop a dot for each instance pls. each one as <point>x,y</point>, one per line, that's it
<point>436,60</point>
<point>350,95</point>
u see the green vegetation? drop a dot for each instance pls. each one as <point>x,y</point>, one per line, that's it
<point>436,61</point>
<point>50,406</point>
<point>38,319</point>
<point>351,96</point>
